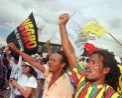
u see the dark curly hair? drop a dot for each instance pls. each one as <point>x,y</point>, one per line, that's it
<point>112,78</point>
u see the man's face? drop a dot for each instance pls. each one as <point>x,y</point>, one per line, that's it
<point>94,69</point>
<point>55,62</point>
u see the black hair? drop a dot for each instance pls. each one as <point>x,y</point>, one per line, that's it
<point>112,78</point>
<point>45,60</point>
<point>64,59</point>
<point>32,72</point>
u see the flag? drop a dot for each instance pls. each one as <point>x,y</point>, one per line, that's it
<point>95,27</point>
<point>90,48</point>
<point>25,36</point>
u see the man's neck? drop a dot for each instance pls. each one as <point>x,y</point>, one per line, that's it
<point>57,75</point>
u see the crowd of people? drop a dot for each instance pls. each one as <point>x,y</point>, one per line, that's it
<point>59,76</point>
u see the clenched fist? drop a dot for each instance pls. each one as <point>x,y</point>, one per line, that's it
<point>63,19</point>
<point>12,46</point>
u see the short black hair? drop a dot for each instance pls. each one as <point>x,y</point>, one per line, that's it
<point>64,59</point>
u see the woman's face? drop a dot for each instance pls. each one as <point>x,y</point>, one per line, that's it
<point>26,69</point>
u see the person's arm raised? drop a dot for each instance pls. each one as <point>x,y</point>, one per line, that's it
<point>66,44</point>
<point>27,57</point>
<point>48,45</point>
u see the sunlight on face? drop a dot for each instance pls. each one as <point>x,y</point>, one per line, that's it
<point>55,62</point>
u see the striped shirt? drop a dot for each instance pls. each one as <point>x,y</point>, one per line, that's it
<point>120,81</point>
<point>92,91</point>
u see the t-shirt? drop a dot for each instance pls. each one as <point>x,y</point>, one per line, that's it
<point>16,72</point>
<point>26,81</point>
<point>16,68</point>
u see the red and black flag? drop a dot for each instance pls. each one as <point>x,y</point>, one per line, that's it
<point>25,36</point>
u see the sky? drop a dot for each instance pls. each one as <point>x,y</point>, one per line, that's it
<point>107,12</point>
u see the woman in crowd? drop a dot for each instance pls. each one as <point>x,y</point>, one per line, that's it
<point>26,85</point>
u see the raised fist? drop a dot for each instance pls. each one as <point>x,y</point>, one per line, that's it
<point>63,19</point>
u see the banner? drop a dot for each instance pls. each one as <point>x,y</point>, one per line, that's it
<point>74,27</point>
<point>25,36</point>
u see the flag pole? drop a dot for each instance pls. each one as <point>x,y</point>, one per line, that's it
<point>114,38</point>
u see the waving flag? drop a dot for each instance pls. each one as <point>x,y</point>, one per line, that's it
<point>25,36</point>
<point>96,28</point>
<point>90,48</point>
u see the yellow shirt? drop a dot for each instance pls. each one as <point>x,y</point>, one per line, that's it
<point>62,88</point>
<point>120,80</point>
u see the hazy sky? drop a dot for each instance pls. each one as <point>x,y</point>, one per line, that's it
<point>13,12</point>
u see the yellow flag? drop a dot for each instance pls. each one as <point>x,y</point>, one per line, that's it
<point>94,27</point>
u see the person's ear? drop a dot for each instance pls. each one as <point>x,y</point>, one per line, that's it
<point>106,70</point>
<point>63,65</point>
